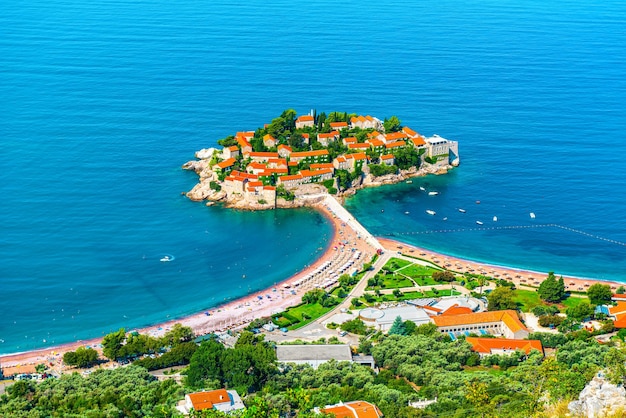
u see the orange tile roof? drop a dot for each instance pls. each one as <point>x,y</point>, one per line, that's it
<point>283,146</point>
<point>386,157</point>
<point>264,154</point>
<point>338,125</point>
<point>313,173</point>
<point>418,142</point>
<point>341,159</point>
<point>309,153</point>
<point>509,317</point>
<point>226,163</point>
<point>618,309</point>
<point>486,345</point>
<point>293,177</point>
<point>457,310</point>
<point>355,409</point>
<point>409,131</point>
<point>395,144</point>
<point>292,163</point>
<point>242,141</point>
<point>373,134</point>
<point>305,118</point>
<point>358,146</point>
<point>268,137</point>
<point>255,184</point>
<point>331,134</point>
<point>206,400</point>
<point>269,188</point>
<point>620,321</point>
<point>233,148</point>
<point>375,142</point>
<point>306,136</point>
<point>270,171</point>
<point>321,165</point>
<point>358,156</point>
<point>394,136</point>
<point>248,134</point>
<point>350,140</point>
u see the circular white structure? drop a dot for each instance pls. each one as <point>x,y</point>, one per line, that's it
<point>371,314</point>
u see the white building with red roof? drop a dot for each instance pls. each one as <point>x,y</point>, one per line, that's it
<point>305,121</point>
<point>222,400</point>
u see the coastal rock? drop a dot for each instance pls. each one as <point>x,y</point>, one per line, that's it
<point>599,398</point>
<point>205,153</point>
<point>201,167</point>
<point>203,191</point>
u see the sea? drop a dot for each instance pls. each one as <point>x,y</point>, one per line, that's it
<point>102,102</point>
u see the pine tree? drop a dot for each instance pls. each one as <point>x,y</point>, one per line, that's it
<point>551,289</point>
<point>398,327</point>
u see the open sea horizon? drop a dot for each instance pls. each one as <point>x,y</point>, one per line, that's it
<point>103,102</point>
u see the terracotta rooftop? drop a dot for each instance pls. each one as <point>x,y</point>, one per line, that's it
<point>338,125</point>
<point>355,409</point>
<point>305,118</point>
<point>309,153</point>
<point>206,400</point>
<point>395,136</point>
<point>457,310</point>
<point>486,345</point>
<point>409,131</point>
<point>358,146</point>
<point>418,141</point>
<point>226,163</point>
<point>386,157</point>
<point>509,317</point>
<point>395,144</point>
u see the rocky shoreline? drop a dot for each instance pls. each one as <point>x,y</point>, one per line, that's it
<point>306,195</point>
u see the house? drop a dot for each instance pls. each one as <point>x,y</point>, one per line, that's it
<point>356,160</point>
<point>255,167</point>
<point>320,166</point>
<point>376,135</point>
<point>359,147</point>
<point>354,409</point>
<point>395,136</point>
<point>269,141</point>
<point>489,346</point>
<point>236,181</point>
<point>377,145</point>
<point>337,126</point>
<point>366,122</point>
<point>387,159</point>
<point>315,176</point>
<point>350,140</point>
<point>410,132</point>
<point>341,163</point>
<point>618,314</point>
<point>504,323</point>
<point>316,156</point>
<point>284,150</point>
<point>244,144</point>
<point>306,138</point>
<point>248,135</point>
<point>291,181</point>
<point>222,400</point>
<point>277,163</point>
<point>313,354</point>
<point>225,165</point>
<point>418,142</point>
<point>230,152</point>
<point>440,147</point>
<point>263,156</point>
<point>326,138</point>
<point>394,146</point>
<point>304,121</point>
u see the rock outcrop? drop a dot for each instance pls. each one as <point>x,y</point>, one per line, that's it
<point>599,398</point>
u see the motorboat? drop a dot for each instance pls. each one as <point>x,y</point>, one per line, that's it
<point>479,222</point>
<point>422,188</point>
<point>166,258</point>
<point>532,215</point>
<point>433,193</point>
<point>462,210</point>
<point>431,212</point>
<point>495,219</point>
<point>409,181</point>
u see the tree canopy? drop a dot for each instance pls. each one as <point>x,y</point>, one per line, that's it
<point>501,298</point>
<point>599,293</point>
<point>551,289</point>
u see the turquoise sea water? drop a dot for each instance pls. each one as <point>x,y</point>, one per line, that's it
<point>103,101</point>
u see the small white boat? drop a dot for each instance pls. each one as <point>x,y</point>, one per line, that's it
<point>445,219</point>
<point>433,193</point>
<point>409,181</point>
<point>462,210</point>
<point>495,219</point>
<point>431,212</point>
<point>479,222</point>
<point>422,189</point>
<point>532,215</point>
<point>166,259</point>
<point>406,213</point>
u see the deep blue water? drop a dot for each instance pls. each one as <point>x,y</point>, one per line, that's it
<point>102,102</point>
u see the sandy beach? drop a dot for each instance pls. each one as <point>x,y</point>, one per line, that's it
<point>521,277</point>
<point>233,315</point>
<point>348,237</point>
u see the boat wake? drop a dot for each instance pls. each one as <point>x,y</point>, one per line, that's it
<point>167,258</point>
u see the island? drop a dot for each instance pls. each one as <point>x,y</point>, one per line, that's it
<point>297,160</point>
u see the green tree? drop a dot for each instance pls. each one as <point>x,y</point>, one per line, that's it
<point>615,360</point>
<point>112,344</point>
<point>599,293</point>
<point>82,357</point>
<point>392,124</point>
<point>501,298</point>
<point>551,289</point>
<point>621,290</point>
<point>398,327</point>
<point>205,364</point>
<point>579,312</point>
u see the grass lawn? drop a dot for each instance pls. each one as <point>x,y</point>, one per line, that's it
<point>311,311</point>
<point>526,299</point>
<point>573,301</point>
<point>396,281</point>
<point>395,264</point>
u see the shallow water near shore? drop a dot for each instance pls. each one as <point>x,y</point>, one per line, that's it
<point>103,102</point>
